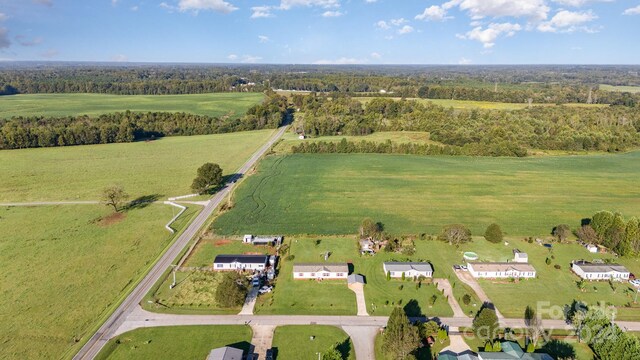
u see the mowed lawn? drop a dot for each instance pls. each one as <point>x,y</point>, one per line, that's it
<point>164,167</point>
<point>304,342</point>
<point>233,105</point>
<point>177,342</point>
<point>332,193</point>
<point>63,267</point>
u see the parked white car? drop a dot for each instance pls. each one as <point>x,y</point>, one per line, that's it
<point>635,282</point>
<point>265,289</point>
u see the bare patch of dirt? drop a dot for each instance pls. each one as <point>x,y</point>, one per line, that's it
<point>221,242</point>
<point>111,219</point>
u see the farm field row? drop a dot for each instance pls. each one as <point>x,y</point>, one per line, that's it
<point>160,168</point>
<point>65,266</point>
<point>217,104</point>
<point>331,193</point>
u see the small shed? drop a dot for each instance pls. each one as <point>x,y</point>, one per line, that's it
<point>592,248</point>
<point>520,257</point>
<point>225,353</point>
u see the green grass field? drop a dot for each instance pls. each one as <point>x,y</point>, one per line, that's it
<point>218,105</point>
<point>177,342</point>
<point>293,342</point>
<point>332,193</point>
<point>63,268</point>
<point>165,167</point>
<point>629,89</point>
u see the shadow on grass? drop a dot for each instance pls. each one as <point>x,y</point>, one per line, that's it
<point>226,181</point>
<point>559,349</point>
<point>142,202</point>
<point>412,309</point>
<point>344,348</point>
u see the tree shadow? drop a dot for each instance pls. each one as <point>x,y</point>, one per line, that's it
<point>344,348</point>
<point>226,181</point>
<point>559,349</point>
<point>142,202</point>
<point>412,309</point>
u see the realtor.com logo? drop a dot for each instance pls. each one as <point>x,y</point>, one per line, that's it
<point>549,321</point>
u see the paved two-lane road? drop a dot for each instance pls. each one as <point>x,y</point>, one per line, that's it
<point>106,331</point>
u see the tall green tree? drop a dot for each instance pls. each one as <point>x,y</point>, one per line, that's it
<point>400,338</point>
<point>455,234</point>
<point>601,222</point>
<point>232,290</point>
<point>533,324</point>
<point>332,354</point>
<point>632,235</point>
<point>494,233</point>
<point>485,324</point>
<point>616,232</point>
<point>562,232</point>
<point>209,175</point>
<point>370,228</point>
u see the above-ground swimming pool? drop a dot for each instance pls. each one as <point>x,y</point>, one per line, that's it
<point>469,255</point>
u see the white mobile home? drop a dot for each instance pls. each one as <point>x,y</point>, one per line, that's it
<point>241,262</point>
<point>409,269</point>
<point>321,271</point>
<point>501,270</point>
<point>591,271</point>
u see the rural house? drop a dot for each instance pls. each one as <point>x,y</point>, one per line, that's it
<point>320,271</point>
<point>409,269</point>
<point>225,353</point>
<point>501,270</point>
<point>241,262</point>
<point>263,240</point>
<point>592,271</point>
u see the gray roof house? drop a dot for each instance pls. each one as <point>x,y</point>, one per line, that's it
<point>409,269</point>
<point>355,279</point>
<point>225,353</point>
<point>593,271</point>
<point>320,271</point>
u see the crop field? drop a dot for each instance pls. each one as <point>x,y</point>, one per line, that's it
<point>629,89</point>
<point>218,104</point>
<point>64,266</point>
<point>164,167</point>
<point>175,342</point>
<point>332,193</point>
<point>294,342</point>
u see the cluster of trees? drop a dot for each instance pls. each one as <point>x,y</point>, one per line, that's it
<point>232,290</point>
<point>606,339</point>
<point>612,231</point>
<point>476,131</point>
<point>208,176</point>
<point>400,338</point>
<point>30,132</point>
<point>455,234</point>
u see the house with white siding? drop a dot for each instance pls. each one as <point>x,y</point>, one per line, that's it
<point>320,271</point>
<point>591,271</point>
<point>241,262</point>
<point>409,269</point>
<point>497,270</point>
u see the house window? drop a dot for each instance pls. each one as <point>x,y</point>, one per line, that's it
<point>313,274</point>
<point>260,266</point>
<point>326,274</point>
<point>339,274</point>
<point>219,265</point>
<point>300,274</point>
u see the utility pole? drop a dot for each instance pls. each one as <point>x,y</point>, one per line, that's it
<point>174,276</point>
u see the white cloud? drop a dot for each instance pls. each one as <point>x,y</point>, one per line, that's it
<point>341,61</point>
<point>213,5</point>
<point>49,54</point>
<point>398,22</point>
<point>478,9</point>
<point>288,4</point>
<point>232,57</point>
<point>120,58</point>
<point>263,39</point>
<point>375,55</point>
<point>382,25</point>
<point>464,61</point>
<point>489,35</point>
<point>4,38</point>
<point>578,3</point>
<point>568,21</point>
<point>134,8</point>
<point>261,12</point>
<point>169,8</point>
<point>114,2</point>
<point>433,13</point>
<point>22,40</point>
<point>405,30</point>
<point>332,14</point>
<point>3,17</point>
<point>370,1</point>
<point>632,11</point>
<point>249,59</point>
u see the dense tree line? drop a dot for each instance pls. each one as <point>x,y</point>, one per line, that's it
<point>613,231</point>
<point>517,84</point>
<point>606,339</point>
<point>612,128</point>
<point>29,132</point>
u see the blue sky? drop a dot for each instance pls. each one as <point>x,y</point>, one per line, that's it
<point>323,31</point>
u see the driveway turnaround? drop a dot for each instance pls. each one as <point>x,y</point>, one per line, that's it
<point>130,304</point>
